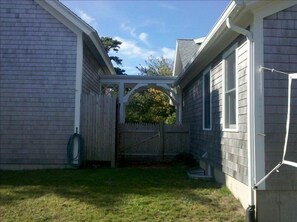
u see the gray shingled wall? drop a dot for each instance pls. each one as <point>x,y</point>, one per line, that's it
<point>278,201</point>
<point>37,85</point>
<point>91,72</point>
<point>227,150</point>
<point>280,52</point>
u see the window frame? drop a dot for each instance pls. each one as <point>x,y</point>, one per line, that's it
<point>226,127</point>
<point>207,71</point>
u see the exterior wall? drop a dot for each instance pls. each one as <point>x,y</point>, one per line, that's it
<point>91,72</point>
<point>90,89</point>
<point>280,52</point>
<point>37,86</point>
<point>277,202</point>
<point>227,151</point>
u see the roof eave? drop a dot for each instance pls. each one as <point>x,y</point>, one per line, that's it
<point>80,25</point>
<point>96,40</point>
<point>219,28</point>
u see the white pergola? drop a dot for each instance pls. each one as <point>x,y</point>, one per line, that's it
<point>126,85</point>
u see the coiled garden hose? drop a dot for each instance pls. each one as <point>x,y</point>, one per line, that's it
<point>75,159</point>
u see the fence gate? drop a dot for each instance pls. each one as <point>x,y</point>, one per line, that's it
<point>151,141</point>
<point>98,125</point>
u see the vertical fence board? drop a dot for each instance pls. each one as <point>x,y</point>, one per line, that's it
<point>98,127</point>
<point>152,140</point>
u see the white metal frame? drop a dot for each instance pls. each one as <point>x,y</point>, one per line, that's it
<point>283,161</point>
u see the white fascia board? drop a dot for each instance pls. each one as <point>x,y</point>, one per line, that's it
<point>176,61</point>
<point>65,16</point>
<point>232,7</point>
<point>216,31</point>
<point>97,42</point>
<point>267,8</point>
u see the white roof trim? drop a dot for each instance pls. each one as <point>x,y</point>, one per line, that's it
<point>76,24</point>
<point>199,40</point>
<point>231,8</point>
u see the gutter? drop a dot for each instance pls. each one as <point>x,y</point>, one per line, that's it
<point>231,10</point>
<point>250,211</point>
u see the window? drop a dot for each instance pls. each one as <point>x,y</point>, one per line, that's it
<point>230,91</point>
<point>206,100</point>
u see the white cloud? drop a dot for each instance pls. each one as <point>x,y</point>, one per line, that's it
<point>88,19</point>
<point>130,70</point>
<point>133,54</point>
<point>131,49</point>
<point>129,29</point>
<point>143,37</point>
<point>168,53</point>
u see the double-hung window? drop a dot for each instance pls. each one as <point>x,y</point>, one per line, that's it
<point>230,90</point>
<point>207,100</point>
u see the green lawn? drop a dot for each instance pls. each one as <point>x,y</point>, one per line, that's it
<point>124,194</point>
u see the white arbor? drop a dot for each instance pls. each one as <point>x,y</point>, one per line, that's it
<point>126,85</point>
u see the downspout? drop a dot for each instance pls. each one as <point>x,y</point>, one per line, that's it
<point>250,211</point>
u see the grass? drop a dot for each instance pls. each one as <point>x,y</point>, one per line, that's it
<point>125,194</point>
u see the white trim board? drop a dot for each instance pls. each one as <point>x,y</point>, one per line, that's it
<point>232,49</point>
<point>78,83</point>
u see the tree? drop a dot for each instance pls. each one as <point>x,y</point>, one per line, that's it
<point>113,45</point>
<point>152,105</point>
<point>156,67</point>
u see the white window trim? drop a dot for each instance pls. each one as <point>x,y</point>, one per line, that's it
<point>225,55</point>
<point>208,70</point>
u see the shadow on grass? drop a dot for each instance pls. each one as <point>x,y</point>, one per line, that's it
<point>104,188</point>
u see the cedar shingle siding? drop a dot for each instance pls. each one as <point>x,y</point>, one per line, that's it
<point>278,201</point>
<point>280,52</point>
<point>37,85</point>
<point>91,72</point>
<point>227,151</point>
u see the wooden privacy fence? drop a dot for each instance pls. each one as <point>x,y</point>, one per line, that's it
<point>98,124</point>
<point>156,141</point>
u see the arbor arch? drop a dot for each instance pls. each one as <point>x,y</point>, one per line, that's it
<point>139,83</point>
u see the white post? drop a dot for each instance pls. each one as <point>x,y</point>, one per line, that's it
<point>121,101</point>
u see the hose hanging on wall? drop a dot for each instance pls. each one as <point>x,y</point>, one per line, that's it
<point>75,150</point>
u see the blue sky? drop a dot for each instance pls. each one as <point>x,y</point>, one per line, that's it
<point>148,28</point>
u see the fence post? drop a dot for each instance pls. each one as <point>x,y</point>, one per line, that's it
<point>161,142</point>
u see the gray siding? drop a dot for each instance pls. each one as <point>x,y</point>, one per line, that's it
<point>90,86</point>
<point>37,85</point>
<point>227,150</point>
<point>91,72</point>
<point>278,201</point>
<point>280,52</point>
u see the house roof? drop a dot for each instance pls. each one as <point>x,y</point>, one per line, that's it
<point>240,12</point>
<point>77,25</point>
<point>186,49</point>
<point>205,53</point>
